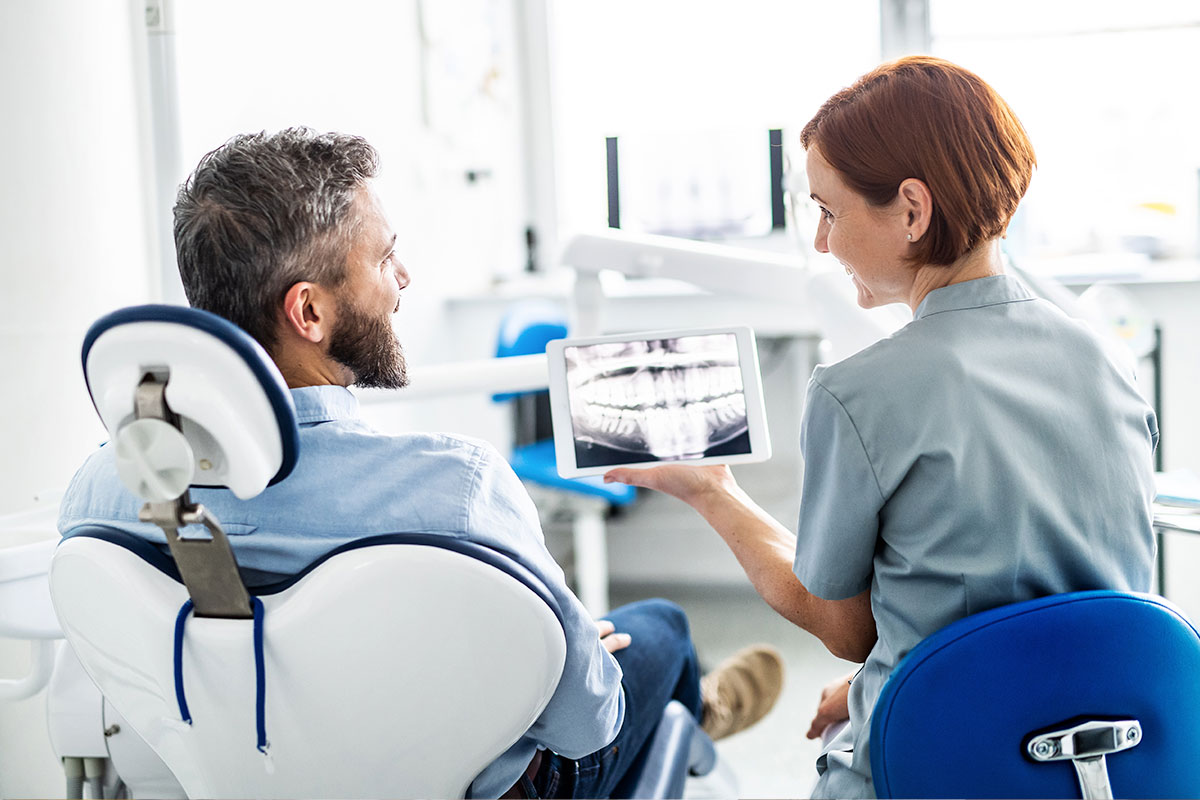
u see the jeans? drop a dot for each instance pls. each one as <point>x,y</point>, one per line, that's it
<point>659,665</point>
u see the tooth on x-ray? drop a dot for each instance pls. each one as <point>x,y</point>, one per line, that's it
<point>670,398</point>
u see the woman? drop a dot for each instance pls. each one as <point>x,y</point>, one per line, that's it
<point>986,453</point>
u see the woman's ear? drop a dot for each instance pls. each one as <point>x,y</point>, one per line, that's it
<point>916,203</point>
<point>305,312</point>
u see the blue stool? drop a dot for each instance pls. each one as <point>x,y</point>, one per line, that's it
<point>525,330</point>
<point>1088,693</point>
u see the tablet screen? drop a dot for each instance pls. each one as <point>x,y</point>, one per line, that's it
<point>667,399</point>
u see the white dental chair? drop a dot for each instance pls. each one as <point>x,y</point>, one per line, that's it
<point>397,666</point>
<point>361,691</point>
<point>359,679</point>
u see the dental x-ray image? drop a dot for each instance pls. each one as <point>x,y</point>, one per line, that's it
<point>656,400</point>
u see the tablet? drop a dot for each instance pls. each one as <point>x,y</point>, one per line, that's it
<point>640,399</point>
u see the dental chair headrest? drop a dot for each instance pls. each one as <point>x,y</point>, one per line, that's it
<point>235,412</point>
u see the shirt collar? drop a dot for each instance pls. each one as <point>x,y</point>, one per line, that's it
<point>977,293</point>
<point>324,404</point>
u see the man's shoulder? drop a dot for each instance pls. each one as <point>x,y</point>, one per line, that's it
<point>422,445</point>
<point>376,463</point>
<point>96,494</point>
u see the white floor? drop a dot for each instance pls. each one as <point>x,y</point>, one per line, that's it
<point>773,758</point>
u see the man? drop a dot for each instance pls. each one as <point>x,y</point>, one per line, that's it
<point>284,236</point>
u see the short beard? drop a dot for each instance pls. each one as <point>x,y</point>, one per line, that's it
<point>367,346</point>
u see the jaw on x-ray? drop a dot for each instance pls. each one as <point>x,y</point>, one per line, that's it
<point>656,400</point>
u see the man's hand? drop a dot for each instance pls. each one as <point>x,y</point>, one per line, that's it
<point>834,707</point>
<point>612,640</point>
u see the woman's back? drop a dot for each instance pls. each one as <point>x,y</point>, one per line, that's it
<point>987,453</point>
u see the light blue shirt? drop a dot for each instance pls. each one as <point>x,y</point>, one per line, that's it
<point>351,482</point>
<point>988,452</point>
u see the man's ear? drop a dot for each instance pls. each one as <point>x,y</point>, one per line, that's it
<point>306,311</point>
<point>916,203</point>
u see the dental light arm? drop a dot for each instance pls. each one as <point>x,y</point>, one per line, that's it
<point>717,268</point>
<point>819,292</point>
<point>485,375</point>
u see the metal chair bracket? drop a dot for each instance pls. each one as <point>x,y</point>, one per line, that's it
<point>1085,746</point>
<point>207,566</point>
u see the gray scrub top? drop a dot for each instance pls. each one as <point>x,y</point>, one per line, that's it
<point>988,452</point>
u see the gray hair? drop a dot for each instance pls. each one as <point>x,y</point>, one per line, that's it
<point>262,212</point>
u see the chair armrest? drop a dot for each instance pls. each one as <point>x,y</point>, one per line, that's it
<point>676,749</point>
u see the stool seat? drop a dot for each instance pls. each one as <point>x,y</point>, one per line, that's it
<point>536,463</point>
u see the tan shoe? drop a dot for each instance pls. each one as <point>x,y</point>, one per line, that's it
<point>741,690</point>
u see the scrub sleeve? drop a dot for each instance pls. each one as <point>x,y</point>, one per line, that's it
<point>839,503</point>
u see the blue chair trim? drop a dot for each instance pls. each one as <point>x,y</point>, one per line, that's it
<point>500,559</point>
<point>260,677</point>
<point>238,340</point>
<point>180,695</point>
<point>260,672</point>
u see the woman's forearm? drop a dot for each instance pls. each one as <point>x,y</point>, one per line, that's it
<point>766,549</point>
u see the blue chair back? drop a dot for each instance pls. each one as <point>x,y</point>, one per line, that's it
<point>957,714</point>
<point>525,330</point>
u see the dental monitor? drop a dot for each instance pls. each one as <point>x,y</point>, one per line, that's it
<point>643,399</point>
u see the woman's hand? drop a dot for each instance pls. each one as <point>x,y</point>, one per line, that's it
<point>688,483</point>
<point>834,707</point>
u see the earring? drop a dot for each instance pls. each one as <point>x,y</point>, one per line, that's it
<point>910,237</point>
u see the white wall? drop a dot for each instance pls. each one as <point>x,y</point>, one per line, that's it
<point>432,85</point>
<point>691,70</point>
<point>74,243</point>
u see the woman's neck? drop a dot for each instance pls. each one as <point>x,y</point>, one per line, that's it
<point>982,262</point>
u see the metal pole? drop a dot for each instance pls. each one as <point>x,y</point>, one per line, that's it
<point>1156,359</point>
<point>904,28</point>
<point>168,158</point>
<point>533,21</point>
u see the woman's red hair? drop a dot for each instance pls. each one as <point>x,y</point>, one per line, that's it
<point>926,118</point>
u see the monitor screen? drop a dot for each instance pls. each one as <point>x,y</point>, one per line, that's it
<point>696,184</point>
